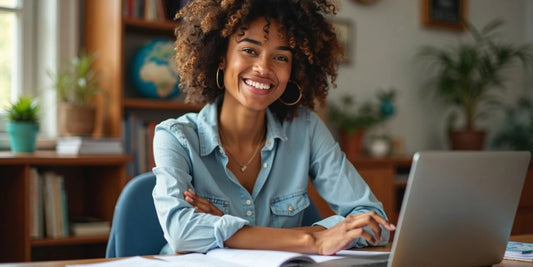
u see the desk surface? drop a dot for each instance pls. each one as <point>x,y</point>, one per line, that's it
<point>505,263</point>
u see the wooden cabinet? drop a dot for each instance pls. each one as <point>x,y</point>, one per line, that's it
<point>93,184</point>
<point>387,177</point>
<point>115,39</point>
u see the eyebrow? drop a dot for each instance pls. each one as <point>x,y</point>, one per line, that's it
<point>286,48</point>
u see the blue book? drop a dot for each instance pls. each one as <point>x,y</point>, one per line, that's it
<point>519,247</point>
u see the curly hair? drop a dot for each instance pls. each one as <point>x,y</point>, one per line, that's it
<point>206,25</point>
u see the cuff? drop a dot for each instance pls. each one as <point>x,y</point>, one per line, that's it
<point>227,226</point>
<point>330,221</point>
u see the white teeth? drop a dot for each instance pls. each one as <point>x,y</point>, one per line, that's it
<point>257,85</point>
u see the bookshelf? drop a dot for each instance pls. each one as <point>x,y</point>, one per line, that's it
<point>93,184</point>
<point>114,34</point>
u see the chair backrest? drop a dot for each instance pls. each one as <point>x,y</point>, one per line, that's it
<point>135,228</point>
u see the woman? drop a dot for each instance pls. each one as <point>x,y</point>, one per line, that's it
<point>235,174</point>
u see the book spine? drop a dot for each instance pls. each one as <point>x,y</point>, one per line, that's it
<point>34,204</point>
<point>48,204</point>
<point>64,207</point>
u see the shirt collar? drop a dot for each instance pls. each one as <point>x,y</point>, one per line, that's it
<point>208,128</point>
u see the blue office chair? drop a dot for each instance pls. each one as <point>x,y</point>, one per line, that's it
<point>136,230</point>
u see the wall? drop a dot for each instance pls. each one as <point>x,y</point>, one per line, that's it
<point>386,36</point>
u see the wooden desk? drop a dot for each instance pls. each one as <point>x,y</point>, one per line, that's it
<point>505,263</point>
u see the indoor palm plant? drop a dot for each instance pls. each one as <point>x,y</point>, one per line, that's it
<point>468,76</point>
<point>23,124</point>
<point>77,87</point>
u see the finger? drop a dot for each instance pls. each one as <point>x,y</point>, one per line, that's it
<point>366,220</point>
<point>362,233</point>
<point>389,226</point>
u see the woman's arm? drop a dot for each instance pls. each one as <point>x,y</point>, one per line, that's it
<point>313,239</point>
<point>324,242</point>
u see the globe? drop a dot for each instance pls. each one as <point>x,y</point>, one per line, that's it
<point>153,70</point>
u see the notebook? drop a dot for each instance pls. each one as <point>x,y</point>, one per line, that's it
<point>458,210</point>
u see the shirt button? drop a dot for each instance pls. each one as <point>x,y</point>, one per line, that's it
<point>268,143</point>
<point>248,202</point>
<point>220,151</point>
<point>249,213</point>
<point>226,202</point>
<point>265,165</point>
<point>291,208</point>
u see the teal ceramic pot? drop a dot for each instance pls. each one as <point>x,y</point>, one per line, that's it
<point>23,136</point>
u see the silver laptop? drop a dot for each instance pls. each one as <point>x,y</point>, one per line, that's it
<point>458,209</point>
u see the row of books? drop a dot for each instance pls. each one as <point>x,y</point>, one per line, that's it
<point>138,141</point>
<point>152,10</point>
<point>48,205</point>
<point>49,210</point>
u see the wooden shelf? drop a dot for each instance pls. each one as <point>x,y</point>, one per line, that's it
<point>43,158</point>
<point>92,184</point>
<point>142,103</point>
<point>73,240</point>
<point>140,24</point>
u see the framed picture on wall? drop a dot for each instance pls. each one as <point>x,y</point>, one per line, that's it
<point>343,29</point>
<point>447,14</point>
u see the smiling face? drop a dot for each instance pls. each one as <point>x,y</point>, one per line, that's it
<point>257,66</point>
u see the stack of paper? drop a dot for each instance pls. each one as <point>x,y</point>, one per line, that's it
<point>88,226</point>
<point>87,145</point>
<point>519,251</point>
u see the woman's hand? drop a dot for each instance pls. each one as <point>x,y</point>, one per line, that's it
<point>339,237</point>
<point>201,204</point>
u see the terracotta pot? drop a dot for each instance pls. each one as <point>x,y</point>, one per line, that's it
<point>352,144</point>
<point>76,120</point>
<point>467,140</point>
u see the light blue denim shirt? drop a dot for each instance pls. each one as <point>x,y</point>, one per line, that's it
<point>188,154</point>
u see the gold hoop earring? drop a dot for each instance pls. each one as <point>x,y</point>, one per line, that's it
<point>300,91</point>
<point>217,80</point>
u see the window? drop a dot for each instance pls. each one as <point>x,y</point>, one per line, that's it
<point>10,29</point>
<point>35,37</point>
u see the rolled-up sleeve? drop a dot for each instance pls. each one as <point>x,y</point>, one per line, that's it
<point>183,227</point>
<point>338,182</point>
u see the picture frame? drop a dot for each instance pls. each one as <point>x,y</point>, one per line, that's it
<point>445,14</point>
<point>343,29</point>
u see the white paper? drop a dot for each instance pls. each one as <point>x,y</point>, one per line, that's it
<point>128,262</point>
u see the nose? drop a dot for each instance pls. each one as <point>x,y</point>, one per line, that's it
<point>262,65</point>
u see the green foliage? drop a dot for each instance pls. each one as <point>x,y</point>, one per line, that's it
<point>517,131</point>
<point>25,109</point>
<point>351,116</point>
<point>468,73</point>
<point>77,84</point>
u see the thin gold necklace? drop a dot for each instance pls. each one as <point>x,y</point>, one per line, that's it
<point>243,167</point>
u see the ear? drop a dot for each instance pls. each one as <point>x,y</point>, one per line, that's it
<point>222,64</point>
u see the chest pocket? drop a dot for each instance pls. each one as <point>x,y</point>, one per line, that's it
<point>287,211</point>
<point>223,205</point>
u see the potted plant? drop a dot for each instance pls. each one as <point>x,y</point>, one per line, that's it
<point>467,77</point>
<point>77,86</point>
<point>23,124</point>
<point>353,119</point>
